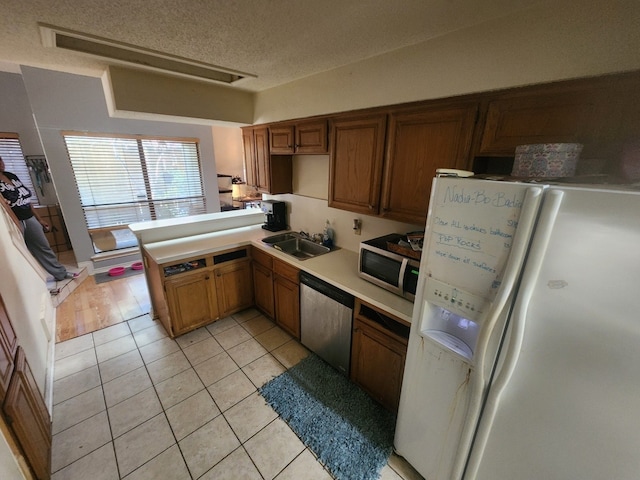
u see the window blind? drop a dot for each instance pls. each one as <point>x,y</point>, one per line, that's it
<point>14,162</point>
<point>123,179</point>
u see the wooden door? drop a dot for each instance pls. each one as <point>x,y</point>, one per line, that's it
<point>556,116</point>
<point>8,347</point>
<point>287,303</point>
<point>263,289</point>
<point>27,414</point>
<point>311,137</point>
<point>281,139</point>
<point>377,363</point>
<point>420,142</point>
<point>262,156</point>
<point>357,151</point>
<point>234,287</point>
<point>249,156</point>
<point>192,300</point>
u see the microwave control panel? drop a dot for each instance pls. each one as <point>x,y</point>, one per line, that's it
<point>453,299</point>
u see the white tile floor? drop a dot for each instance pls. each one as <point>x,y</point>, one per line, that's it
<point>131,403</point>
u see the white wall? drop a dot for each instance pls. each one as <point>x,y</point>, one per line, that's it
<point>22,288</point>
<point>61,102</point>
<point>27,299</point>
<point>554,41</point>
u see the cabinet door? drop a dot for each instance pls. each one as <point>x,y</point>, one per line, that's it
<point>420,142</point>
<point>537,117</point>
<point>263,289</point>
<point>377,364</point>
<point>234,287</point>
<point>8,346</point>
<point>357,150</point>
<point>281,139</point>
<point>262,158</point>
<point>27,414</point>
<point>287,299</point>
<point>192,300</point>
<point>311,137</point>
<point>249,156</point>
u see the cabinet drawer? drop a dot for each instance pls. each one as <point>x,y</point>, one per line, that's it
<point>262,258</point>
<point>285,270</point>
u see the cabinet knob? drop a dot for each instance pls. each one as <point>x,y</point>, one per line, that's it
<point>372,207</point>
<point>218,274</point>
<point>207,277</point>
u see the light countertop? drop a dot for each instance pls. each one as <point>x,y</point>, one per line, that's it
<point>339,267</point>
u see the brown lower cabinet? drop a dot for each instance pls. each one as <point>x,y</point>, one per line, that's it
<point>196,291</point>
<point>263,287</point>
<point>192,300</point>
<point>277,291</point>
<point>23,407</point>
<point>233,287</point>
<point>287,299</point>
<point>378,353</point>
<point>27,414</point>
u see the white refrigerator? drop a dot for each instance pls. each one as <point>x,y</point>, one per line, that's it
<point>524,353</point>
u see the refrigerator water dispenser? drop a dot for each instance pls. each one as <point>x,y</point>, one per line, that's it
<point>450,317</point>
<point>452,331</point>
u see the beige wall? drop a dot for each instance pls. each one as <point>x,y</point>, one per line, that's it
<point>556,41</point>
<point>141,95</point>
<point>308,208</point>
<point>227,150</point>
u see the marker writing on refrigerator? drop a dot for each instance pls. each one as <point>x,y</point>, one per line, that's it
<point>454,194</point>
<point>458,241</point>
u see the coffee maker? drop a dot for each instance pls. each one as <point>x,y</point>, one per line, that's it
<point>275,215</point>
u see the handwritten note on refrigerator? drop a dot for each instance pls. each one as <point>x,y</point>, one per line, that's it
<point>470,230</point>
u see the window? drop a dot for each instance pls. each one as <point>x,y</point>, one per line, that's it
<point>14,162</point>
<point>126,179</point>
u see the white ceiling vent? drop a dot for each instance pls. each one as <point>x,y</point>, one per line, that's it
<point>122,53</point>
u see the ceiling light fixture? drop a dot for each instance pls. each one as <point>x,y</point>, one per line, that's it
<point>123,53</point>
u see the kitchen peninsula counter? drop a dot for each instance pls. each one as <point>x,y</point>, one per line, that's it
<point>339,267</point>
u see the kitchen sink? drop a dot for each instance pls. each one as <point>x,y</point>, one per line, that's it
<point>294,244</point>
<point>280,237</point>
<point>301,248</point>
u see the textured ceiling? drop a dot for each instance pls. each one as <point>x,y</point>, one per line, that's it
<point>277,40</point>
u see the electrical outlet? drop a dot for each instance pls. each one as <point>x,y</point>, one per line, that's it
<point>357,226</point>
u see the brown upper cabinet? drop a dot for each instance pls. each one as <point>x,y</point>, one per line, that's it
<point>267,173</point>
<point>419,142</point>
<point>356,158</point>
<point>382,160</point>
<point>602,113</point>
<point>537,117</point>
<point>396,185</point>
<point>308,137</point>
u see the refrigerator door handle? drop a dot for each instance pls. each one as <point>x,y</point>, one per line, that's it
<point>547,219</point>
<point>512,269</point>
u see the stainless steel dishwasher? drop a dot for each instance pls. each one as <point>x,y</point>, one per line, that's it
<point>326,315</point>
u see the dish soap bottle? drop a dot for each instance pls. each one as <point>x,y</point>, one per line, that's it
<point>327,235</point>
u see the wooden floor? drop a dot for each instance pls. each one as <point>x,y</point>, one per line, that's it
<point>92,306</point>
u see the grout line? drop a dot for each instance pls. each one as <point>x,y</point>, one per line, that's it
<point>192,367</point>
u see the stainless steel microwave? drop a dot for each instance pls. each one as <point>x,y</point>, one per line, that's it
<point>389,270</point>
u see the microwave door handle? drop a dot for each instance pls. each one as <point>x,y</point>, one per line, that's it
<point>403,268</point>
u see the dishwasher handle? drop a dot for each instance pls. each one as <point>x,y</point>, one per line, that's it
<point>327,289</point>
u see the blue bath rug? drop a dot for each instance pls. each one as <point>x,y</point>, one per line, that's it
<point>350,433</point>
